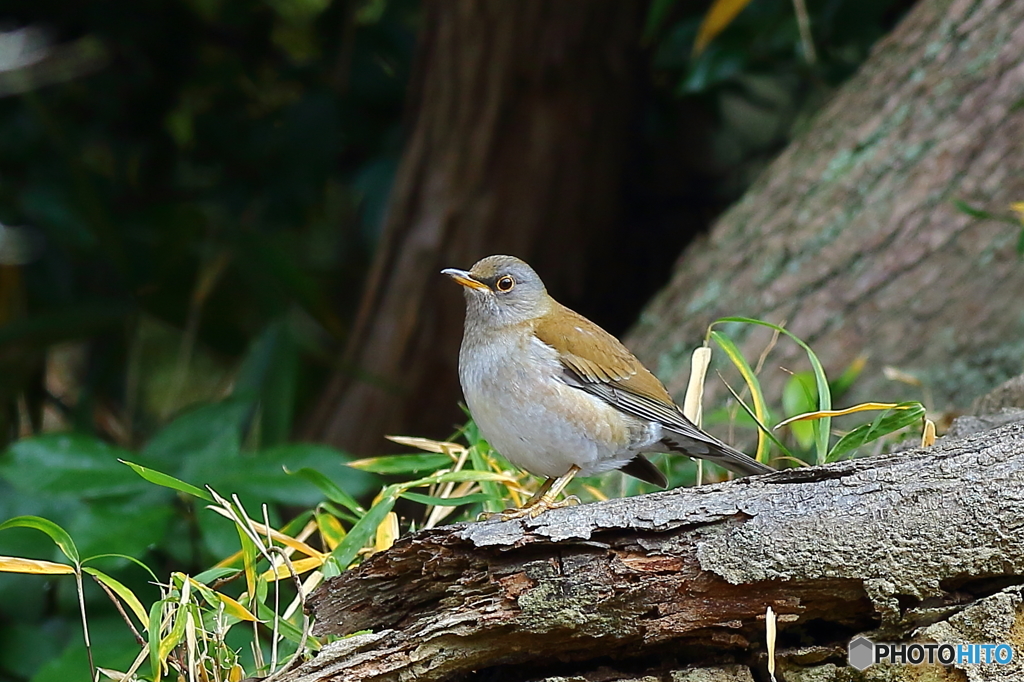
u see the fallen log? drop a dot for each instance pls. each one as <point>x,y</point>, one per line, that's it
<point>893,546</point>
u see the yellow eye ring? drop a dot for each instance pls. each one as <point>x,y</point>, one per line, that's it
<point>505,284</point>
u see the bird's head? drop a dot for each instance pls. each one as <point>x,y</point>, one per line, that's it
<point>501,291</point>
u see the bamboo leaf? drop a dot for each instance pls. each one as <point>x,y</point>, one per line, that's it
<point>332,490</point>
<point>215,598</point>
<point>436,501</point>
<point>167,481</point>
<point>760,406</point>
<point>491,490</point>
<point>387,532</point>
<point>402,464</point>
<point>301,566</point>
<point>330,529</point>
<point>13,564</point>
<point>126,595</point>
<point>762,427</point>
<point>799,397</point>
<point>359,536</point>
<point>861,407</point>
<point>59,536</point>
<point>822,427</point>
<point>452,450</point>
<point>720,15</point>
<point>886,423</point>
<point>155,617</point>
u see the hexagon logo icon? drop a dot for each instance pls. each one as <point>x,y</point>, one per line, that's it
<point>861,652</point>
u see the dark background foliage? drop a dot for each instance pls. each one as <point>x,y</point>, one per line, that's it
<point>192,193</point>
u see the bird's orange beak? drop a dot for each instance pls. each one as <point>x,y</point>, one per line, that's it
<point>465,279</point>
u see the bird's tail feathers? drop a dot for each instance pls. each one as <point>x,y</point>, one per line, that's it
<point>716,451</point>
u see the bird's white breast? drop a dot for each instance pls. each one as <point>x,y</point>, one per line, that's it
<point>514,388</point>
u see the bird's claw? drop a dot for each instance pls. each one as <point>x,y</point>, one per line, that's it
<point>531,511</point>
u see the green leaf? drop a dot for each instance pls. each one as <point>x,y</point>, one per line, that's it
<point>477,456</point>
<point>822,427</point>
<point>177,632</point>
<point>446,501</point>
<point>125,557</point>
<point>747,372</point>
<point>287,629</point>
<point>337,511</point>
<point>1020,244</point>
<point>59,536</point>
<point>798,397</point>
<point>284,487</point>
<point>966,208</point>
<point>270,373</point>
<point>71,465</point>
<point>211,574</point>
<point>155,616</point>
<point>887,422</point>
<point>161,479</point>
<point>402,464</point>
<point>470,475</point>
<point>126,595</point>
<point>358,537</point>
<point>332,490</point>
<point>763,427</point>
<point>208,432</point>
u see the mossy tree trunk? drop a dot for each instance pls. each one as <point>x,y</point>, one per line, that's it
<point>852,236</point>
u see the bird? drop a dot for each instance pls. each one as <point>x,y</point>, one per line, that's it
<point>558,396</point>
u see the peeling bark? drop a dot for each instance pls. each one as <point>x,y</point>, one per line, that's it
<point>652,584</point>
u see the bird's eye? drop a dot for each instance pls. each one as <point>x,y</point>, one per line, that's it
<point>505,283</point>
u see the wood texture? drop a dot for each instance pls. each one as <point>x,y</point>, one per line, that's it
<point>519,125</point>
<point>852,237</point>
<point>888,545</point>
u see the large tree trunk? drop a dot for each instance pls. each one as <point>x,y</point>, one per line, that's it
<point>520,125</point>
<point>922,545</point>
<point>852,237</point>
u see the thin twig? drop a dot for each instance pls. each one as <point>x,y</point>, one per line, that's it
<point>803,22</point>
<point>120,609</point>
<point>768,349</point>
<point>85,624</point>
<point>277,588</point>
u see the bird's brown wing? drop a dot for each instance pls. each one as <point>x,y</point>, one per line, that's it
<point>598,363</point>
<point>598,357</point>
<point>601,365</point>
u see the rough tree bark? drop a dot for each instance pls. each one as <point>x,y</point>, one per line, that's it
<point>520,118</point>
<point>852,236</point>
<point>924,545</point>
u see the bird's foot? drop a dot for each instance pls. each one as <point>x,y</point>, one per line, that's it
<point>532,510</point>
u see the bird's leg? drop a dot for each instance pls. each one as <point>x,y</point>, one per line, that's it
<point>541,492</point>
<point>543,500</point>
<point>558,486</point>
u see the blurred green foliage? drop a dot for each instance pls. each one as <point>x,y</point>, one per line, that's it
<point>198,204</point>
<point>200,211</point>
<point>221,176</point>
